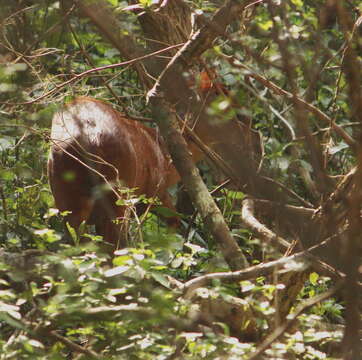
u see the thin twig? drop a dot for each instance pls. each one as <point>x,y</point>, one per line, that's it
<point>75,347</point>
<point>289,191</point>
<point>91,71</point>
<point>296,100</point>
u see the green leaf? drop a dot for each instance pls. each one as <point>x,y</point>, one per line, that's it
<point>7,175</point>
<point>313,278</point>
<point>164,211</point>
<point>298,3</point>
<point>116,271</point>
<point>161,278</point>
<point>267,25</point>
<point>48,235</point>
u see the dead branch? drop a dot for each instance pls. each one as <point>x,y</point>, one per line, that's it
<point>74,347</point>
<point>302,211</point>
<point>249,220</point>
<point>304,257</point>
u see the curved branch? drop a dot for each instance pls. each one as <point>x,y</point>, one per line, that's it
<point>250,221</point>
<point>261,270</point>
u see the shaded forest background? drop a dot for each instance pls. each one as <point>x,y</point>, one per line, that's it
<point>266,263</point>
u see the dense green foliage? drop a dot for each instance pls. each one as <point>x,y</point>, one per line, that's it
<point>62,300</point>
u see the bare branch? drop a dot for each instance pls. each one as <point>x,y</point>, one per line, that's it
<point>249,220</point>
<point>74,347</point>
<point>259,270</point>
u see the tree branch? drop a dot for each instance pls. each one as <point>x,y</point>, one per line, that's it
<point>250,221</point>
<point>258,270</point>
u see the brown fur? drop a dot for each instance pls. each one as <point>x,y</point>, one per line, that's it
<point>90,138</point>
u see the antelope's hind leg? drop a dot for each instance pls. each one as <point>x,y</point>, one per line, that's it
<point>110,221</point>
<point>71,188</point>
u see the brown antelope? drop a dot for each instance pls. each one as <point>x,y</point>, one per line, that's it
<point>94,145</point>
<point>95,149</point>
